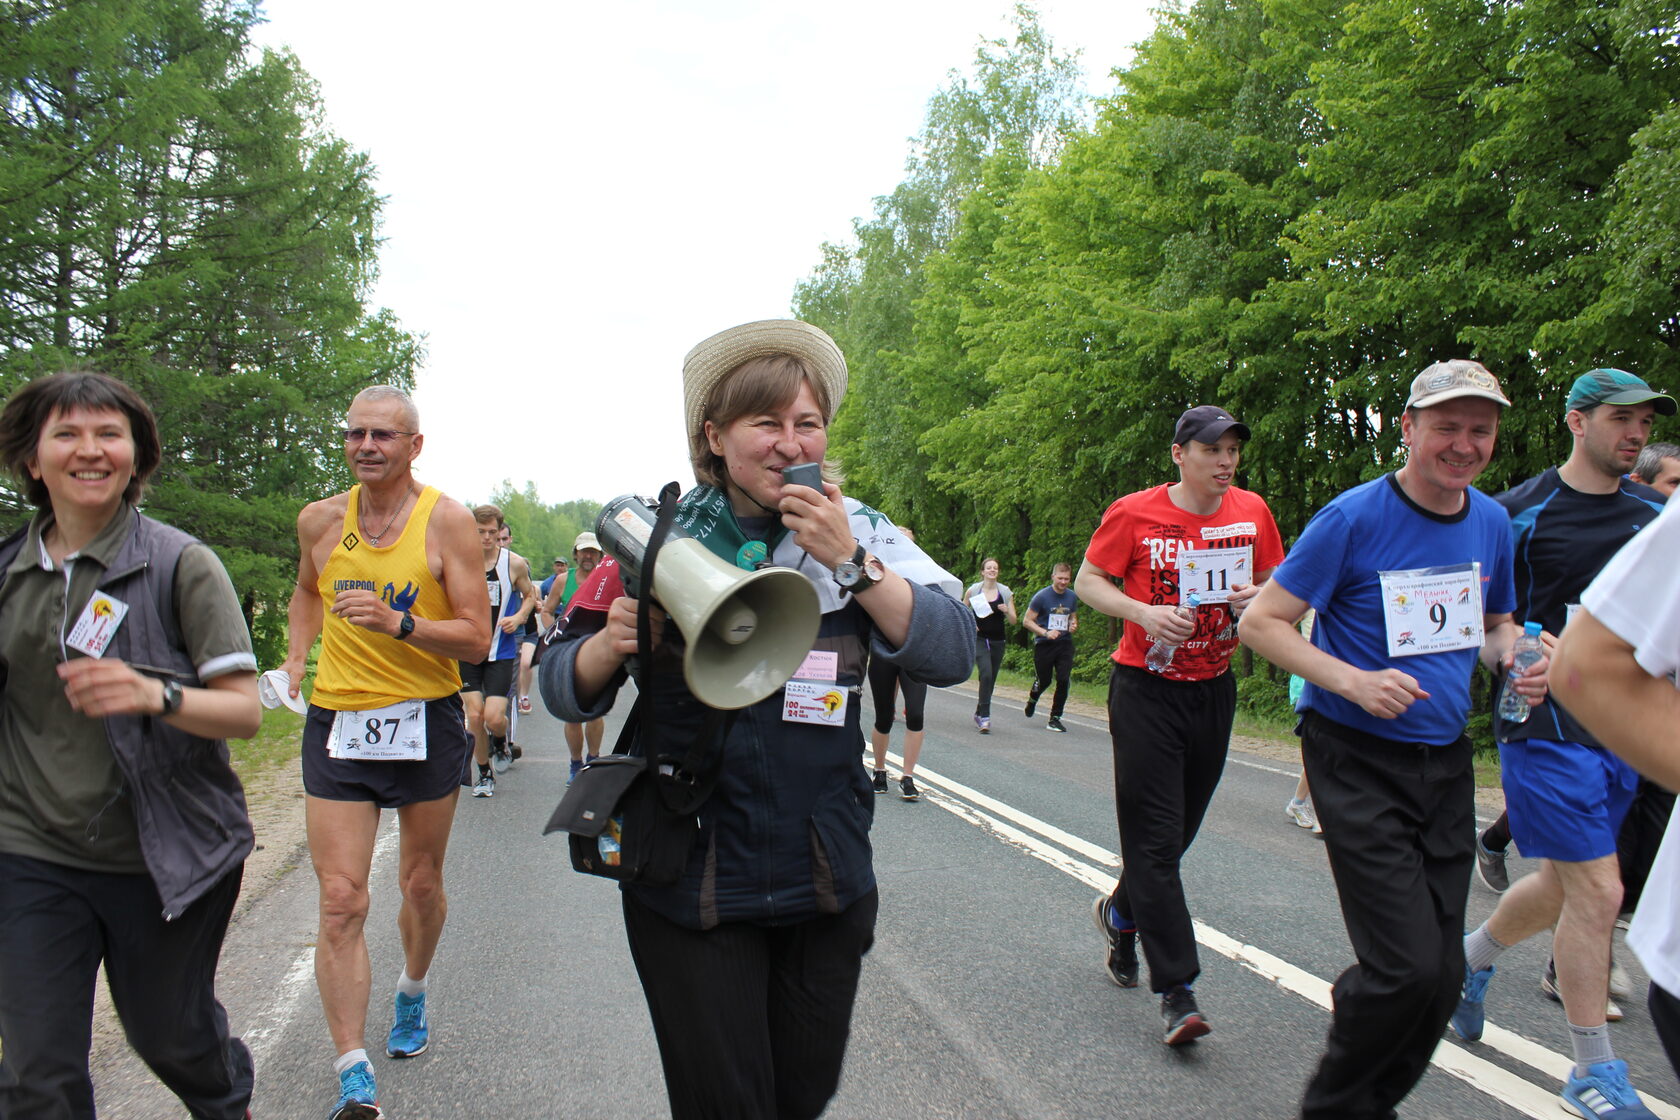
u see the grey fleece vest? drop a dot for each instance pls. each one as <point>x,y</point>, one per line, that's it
<point>188,803</point>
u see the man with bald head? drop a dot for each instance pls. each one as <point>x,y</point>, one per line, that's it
<point>389,579</point>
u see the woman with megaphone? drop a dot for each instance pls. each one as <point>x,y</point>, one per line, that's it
<point>750,958</point>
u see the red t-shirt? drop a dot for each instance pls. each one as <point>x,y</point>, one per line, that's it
<point>1139,540</point>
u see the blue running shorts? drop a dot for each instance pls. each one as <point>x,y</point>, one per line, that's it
<point>1566,800</point>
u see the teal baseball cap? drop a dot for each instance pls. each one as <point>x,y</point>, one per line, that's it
<point>1615,386</point>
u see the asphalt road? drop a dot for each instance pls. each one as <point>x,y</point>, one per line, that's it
<point>984,996</point>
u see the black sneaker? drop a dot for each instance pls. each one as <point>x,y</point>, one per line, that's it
<point>1055,725</point>
<point>1185,1021</point>
<point>1490,868</point>
<point>880,781</point>
<point>1032,703</point>
<point>1120,955</point>
<point>907,789</point>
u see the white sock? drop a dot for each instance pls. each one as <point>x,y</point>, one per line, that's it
<point>410,987</point>
<point>1481,949</point>
<point>348,1059</point>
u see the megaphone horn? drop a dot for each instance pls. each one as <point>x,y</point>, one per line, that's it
<point>745,633</point>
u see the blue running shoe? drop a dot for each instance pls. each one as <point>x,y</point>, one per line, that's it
<point>409,1035</point>
<point>1604,1094</point>
<point>356,1094</point>
<point>1470,1016</point>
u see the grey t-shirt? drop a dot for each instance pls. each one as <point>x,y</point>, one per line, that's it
<point>62,798</point>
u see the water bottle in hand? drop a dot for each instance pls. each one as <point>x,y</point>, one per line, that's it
<point>1513,705</point>
<point>1160,656</point>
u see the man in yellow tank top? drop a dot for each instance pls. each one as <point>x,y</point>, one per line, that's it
<point>389,578</point>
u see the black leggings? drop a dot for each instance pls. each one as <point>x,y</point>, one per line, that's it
<point>884,676</point>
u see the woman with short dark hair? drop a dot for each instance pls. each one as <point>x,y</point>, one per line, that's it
<point>123,830</point>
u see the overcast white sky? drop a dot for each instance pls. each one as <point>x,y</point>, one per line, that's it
<point>578,193</point>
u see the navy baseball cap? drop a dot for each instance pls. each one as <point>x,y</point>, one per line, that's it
<point>1615,386</point>
<point>1206,423</point>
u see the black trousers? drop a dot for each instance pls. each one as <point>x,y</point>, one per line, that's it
<point>1170,740</point>
<point>1399,823</point>
<point>988,655</point>
<point>56,925</point>
<point>1640,837</point>
<point>1053,657</point>
<point>751,1020</point>
<point>1665,1016</point>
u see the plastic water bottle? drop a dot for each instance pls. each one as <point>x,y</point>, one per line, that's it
<point>1161,653</point>
<point>1513,706</point>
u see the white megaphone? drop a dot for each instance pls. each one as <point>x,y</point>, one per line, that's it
<point>746,632</point>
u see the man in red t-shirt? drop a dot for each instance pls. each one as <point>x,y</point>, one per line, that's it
<point>1170,728</point>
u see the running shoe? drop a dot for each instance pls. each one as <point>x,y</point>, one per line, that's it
<point>1470,1016</point>
<point>409,1035</point>
<point>1300,811</point>
<point>984,723</point>
<point>1549,986</point>
<point>1055,725</point>
<point>1032,703</point>
<point>1318,827</point>
<point>524,705</point>
<point>1184,1020</point>
<point>486,786</point>
<point>1120,947</point>
<point>500,757</point>
<point>880,783</point>
<point>907,789</point>
<point>1621,984</point>
<point>1603,1093</point>
<point>577,765</point>
<point>356,1095</point>
<point>1490,868</point>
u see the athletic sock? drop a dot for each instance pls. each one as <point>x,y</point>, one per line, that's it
<point>410,987</point>
<point>348,1059</point>
<point>497,740</point>
<point>484,769</point>
<point>1480,948</point>
<point>1591,1045</point>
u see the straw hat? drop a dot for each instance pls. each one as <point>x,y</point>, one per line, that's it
<point>710,361</point>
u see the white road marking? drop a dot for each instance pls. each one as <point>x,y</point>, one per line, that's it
<point>300,977</point>
<point>995,817</point>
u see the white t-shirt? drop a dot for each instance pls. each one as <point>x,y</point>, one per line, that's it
<point>1637,597</point>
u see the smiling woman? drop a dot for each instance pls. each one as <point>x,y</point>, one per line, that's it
<point>125,664</point>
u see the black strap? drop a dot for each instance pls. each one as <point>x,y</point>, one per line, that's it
<point>685,782</point>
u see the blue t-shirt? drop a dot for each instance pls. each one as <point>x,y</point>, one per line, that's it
<point>1376,528</point>
<point>547,585</point>
<point>1047,604</point>
<point>1562,538</point>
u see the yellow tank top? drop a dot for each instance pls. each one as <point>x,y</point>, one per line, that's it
<point>360,669</point>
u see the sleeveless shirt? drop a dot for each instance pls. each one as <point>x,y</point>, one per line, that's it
<point>360,669</point>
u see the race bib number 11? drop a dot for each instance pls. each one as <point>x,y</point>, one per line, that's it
<point>1213,573</point>
<point>1432,610</point>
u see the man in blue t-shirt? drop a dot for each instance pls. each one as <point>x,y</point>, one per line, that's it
<point>1565,794</point>
<point>1410,575</point>
<point>1052,618</point>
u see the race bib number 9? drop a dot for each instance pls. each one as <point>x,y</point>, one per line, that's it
<point>1213,573</point>
<point>393,734</point>
<point>1432,610</point>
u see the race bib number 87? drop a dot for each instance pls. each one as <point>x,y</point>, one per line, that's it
<point>393,734</point>
<point>1432,610</point>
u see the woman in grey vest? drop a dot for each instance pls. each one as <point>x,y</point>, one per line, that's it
<point>123,831</point>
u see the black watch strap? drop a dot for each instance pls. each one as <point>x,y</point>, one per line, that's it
<point>406,626</point>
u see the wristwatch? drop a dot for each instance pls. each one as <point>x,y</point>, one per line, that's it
<point>405,627</point>
<point>171,698</point>
<point>859,574</point>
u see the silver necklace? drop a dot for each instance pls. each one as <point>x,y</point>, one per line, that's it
<point>379,536</point>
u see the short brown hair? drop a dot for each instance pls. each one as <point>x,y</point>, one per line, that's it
<point>30,408</point>
<point>756,386</point>
<point>1061,566</point>
<point>488,515</point>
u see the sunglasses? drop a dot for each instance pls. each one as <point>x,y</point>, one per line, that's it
<point>380,435</point>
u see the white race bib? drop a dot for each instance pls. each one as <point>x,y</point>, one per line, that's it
<point>1212,573</point>
<point>982,606</point>
<point>97,625</point>
<point>393,734</point>
<point>1056,621</point>
<point>1432,610</point>
<point>820,702</point>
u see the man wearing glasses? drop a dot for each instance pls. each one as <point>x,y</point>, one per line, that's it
<point>389,578</point>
